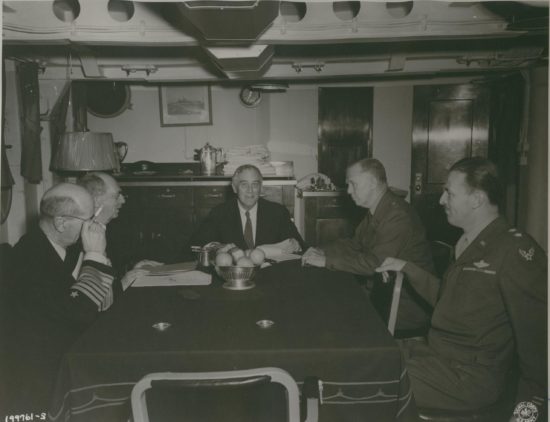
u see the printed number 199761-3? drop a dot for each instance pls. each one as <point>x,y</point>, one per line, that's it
<point>26,417</point>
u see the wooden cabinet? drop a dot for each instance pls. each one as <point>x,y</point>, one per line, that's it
<point>328,216</point>
<point>158,218</point>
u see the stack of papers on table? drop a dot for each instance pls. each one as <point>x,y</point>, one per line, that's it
<point>285,257</point>
<point>182,274</point>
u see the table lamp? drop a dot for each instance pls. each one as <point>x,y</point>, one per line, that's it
<point>85,151</point>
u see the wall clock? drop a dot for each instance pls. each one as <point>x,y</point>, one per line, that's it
<point>250,97</point>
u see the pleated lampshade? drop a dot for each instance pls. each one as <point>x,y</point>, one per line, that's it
<point>85,151</point>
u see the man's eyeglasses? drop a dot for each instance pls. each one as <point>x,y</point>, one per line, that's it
<point>78,218</point>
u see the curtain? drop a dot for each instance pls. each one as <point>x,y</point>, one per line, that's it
<point>31,155</point>
<point>6,177</point>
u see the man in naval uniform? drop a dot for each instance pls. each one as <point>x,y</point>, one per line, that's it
<point>490,310</point>
<point>53,296</point>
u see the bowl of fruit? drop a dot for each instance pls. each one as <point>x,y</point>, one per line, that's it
<point>238,267</point>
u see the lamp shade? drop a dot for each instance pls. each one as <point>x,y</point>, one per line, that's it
<point>85,151</point>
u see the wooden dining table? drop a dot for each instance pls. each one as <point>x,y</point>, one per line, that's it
<point>323,326</point>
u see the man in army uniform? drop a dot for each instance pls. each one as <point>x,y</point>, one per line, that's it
<point>391,227</point>
<point>490,309</point>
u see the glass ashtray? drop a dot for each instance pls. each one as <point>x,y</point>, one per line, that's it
<point>161,326</point>
<point>265,323</point>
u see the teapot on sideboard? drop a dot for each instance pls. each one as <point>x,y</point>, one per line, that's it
<point>209,158</point>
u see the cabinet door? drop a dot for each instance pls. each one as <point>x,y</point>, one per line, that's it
<point>283,194</point>
<point>206,198</point>
<point>166,233</point>
<point>167,222</point>
<point>328,218</point>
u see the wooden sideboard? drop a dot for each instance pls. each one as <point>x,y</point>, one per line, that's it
<point>158,218</point>
<point>322,217</point>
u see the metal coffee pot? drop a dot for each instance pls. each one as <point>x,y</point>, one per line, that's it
<point>121,149</point>
<point>209,157</point>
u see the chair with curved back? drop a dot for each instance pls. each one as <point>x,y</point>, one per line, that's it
<point>260,394</point>
<point>385,296</point>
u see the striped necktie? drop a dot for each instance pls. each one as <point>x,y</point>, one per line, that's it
<point>248,237</point>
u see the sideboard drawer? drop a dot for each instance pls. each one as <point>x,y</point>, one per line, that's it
<point>167,196</point>
<point>210,196</point>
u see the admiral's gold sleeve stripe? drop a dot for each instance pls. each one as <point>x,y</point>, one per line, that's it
<point>96,285</point>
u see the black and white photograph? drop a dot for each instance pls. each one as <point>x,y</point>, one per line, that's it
<point>185,105</point>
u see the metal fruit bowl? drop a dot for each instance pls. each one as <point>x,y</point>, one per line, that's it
<point>237,278</point>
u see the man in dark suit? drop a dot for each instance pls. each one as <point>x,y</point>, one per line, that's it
<point>53,295</point>
<point>249,221</point>
<point>490,308</point>
<point>108,200</point>
<point>391,227</point>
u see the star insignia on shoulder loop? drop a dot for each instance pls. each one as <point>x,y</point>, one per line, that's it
<point>528,255</point>
<point>481,264</point>
<point>74,294</point>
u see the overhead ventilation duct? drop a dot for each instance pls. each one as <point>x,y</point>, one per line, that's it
<point>230,20</point>
<point>242,62</point>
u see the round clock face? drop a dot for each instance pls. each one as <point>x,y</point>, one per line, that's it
<point>249,97</point>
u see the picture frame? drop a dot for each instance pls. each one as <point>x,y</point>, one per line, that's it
<point>185,105</point>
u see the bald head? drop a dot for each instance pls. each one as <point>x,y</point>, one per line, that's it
<point>66,199</point>
<point>106,194</point>
<point>63,209</point>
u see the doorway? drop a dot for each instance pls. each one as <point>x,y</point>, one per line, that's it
<point>451,122</point>
<point>345,130</point>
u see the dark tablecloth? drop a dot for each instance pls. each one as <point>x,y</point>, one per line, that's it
<point>324,326</point>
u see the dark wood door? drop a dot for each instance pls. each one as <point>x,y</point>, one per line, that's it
<point>450,122</point>
<point>345,130</point>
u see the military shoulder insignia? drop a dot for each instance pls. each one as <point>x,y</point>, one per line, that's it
<point>527,255</point>
<point>74,294</point>
<point>481,264</point>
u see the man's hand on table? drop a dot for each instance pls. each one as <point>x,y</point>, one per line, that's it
<point>287,246</point>
<point>290,245</point>
<point>138,271</point>
<point>314,257</point>
<point>390,264</point>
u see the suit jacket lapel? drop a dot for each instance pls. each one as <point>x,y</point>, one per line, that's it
<point>262,223</point>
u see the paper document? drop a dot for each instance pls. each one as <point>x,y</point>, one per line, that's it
<point>180,274</point>
<point>285,257</point>
<point>170,268</point>
<point>187,278</point>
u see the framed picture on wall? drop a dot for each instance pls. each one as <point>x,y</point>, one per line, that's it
<point>185,105</point>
